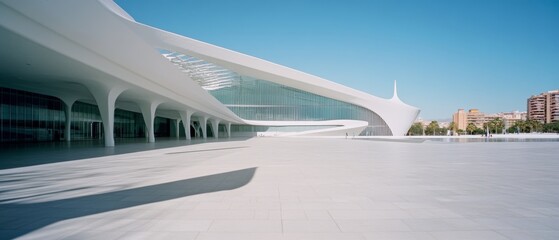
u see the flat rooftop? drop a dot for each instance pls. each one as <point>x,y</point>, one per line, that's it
<point>290,188</point>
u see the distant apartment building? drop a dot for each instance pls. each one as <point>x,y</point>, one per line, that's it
<point>509,118</point>
<point>544,107</point>
<point>462,118</point>
<point>477,118</point>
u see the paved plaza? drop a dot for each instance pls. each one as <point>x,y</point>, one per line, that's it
<point>291,188</point>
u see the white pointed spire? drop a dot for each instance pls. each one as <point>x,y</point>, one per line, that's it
<point>395,95</point>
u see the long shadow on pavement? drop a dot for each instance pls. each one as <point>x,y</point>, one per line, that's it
<point>20,219</point>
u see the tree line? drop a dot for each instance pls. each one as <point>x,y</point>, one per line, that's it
<point>495,126</point>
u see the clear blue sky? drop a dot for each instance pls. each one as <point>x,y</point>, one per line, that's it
<point>445,55</point>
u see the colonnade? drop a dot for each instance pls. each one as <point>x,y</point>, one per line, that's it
<point>106,97</point>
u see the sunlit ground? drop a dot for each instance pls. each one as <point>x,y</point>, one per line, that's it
<point>286,188</point>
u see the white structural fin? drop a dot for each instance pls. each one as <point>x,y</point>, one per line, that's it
<point>395,95</point>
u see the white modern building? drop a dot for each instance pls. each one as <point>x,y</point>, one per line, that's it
<point>88,70</point>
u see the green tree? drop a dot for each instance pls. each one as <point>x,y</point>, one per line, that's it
<point>432,128</point>
<point>452,127</point>
<point>520,126</point>
<point>442,131</point>
<point>487,126</point>
<point>512,129</point>
<point>551,127</point>
<point>498,124</point>
<point>534,125</point>
<point>479,131</point>
<point>471,128</point>
<point>416,129</point>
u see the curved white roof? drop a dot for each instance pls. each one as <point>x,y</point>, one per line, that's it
<point>83,43</point>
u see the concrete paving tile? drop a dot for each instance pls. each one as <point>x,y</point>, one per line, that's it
<point>522,212</point>
<point>495,223</point>
<point>468,235</point>
<point>534,234</point>
<point>547,211</point>
<point>439,224</point>
<point>318,215</point>
<point>398,236</point>
<point>184,206</point>
<point>144,214</point>
<point>172,214</point>
<point>178,225</point>
<point>238,236</point>
<point>213,206</point>
<point>262,214</point>
<point>152,235</point>
<point>418,205</point>
<point>252,214</point>
<point>372,225</point>
<point>117,225</point>
<point>293,215</point>
<point>255,205</point>
<point>377,205</point>
<point>433,213</point>
<point>267,226</point>
<point>369,214</point>
<point>62,229</point>
<point>101,235</point>
<point>532,224</point>
<point>323,236</point>
<point>324,226</point>
<point>552,222</point>
<point>216,214</point>
<point>274,215</point>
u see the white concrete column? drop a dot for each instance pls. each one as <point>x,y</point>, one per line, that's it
<point>228,127</point>
<point>68,111</point>
<point>148,112</point>
<point>185,117</point>
<point>68,103</point>
<point>177,128</point>
<point>105,98</point>
<point>203,126</point>
<point>215,127</point>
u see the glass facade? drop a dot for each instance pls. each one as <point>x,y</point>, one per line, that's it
<point>86,122</point>
<point>30,117</point>
<point>257,99</point>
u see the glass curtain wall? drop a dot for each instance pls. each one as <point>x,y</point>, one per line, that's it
<point>30,117</point>
<point>162,127</point>
<point>87,123</point>
<point>255,99</point>
<point>129,124</point>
